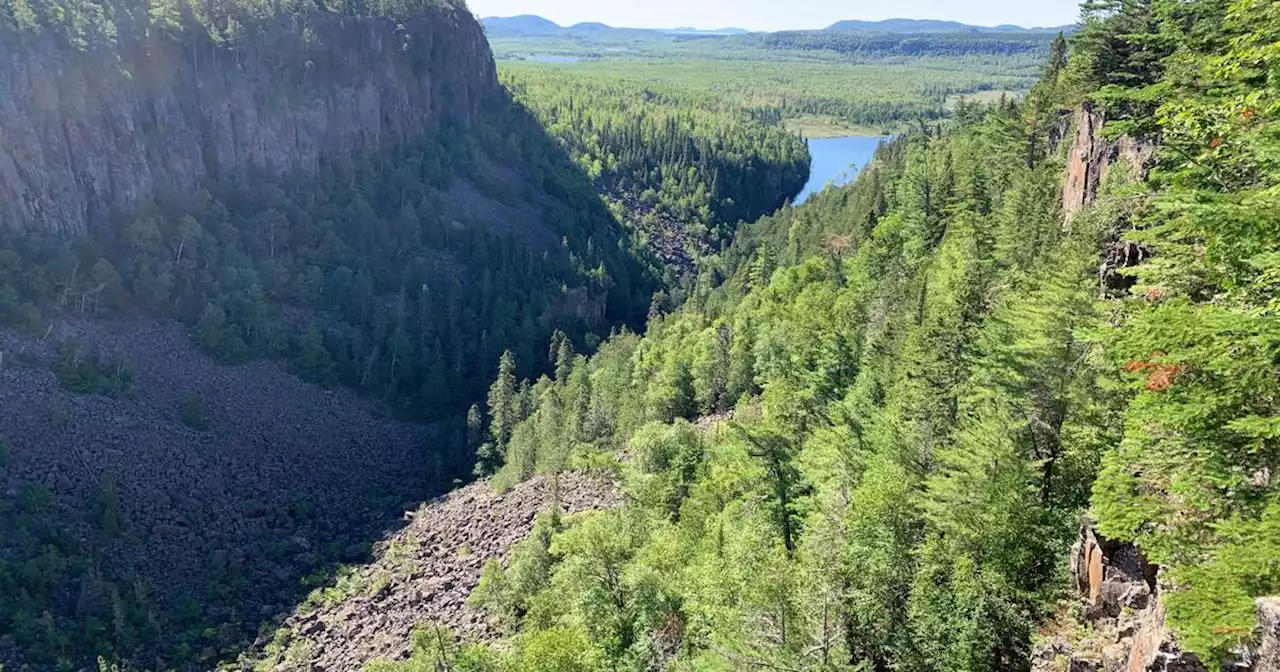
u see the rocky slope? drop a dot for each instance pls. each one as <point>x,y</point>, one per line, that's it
<point>423,573</point>
<point>85,131</point>
<point>286,478</point>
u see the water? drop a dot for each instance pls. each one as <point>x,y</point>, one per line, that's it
<point>837,161</point>
<point>550,58</point>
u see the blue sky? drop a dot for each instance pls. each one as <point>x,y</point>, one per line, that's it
<point>781,14</point>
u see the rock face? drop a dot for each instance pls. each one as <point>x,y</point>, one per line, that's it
<point>425,573</point>
<point>84,132</point>
<point>1269,620</point>
<point>1121,598</point>
<point>1092,157</point>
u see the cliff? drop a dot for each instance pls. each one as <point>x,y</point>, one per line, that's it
<point>1121,624</point>
<point>86,130</point>
<point>1093,155</point>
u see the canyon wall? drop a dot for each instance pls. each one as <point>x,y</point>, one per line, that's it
<point>86,130</point>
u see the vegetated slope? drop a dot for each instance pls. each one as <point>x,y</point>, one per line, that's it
<point>802,80</point>
<point>343,187</point>
<point>525,24</point>
<point>934,377</point>
<point>425,573</point>
<point>929,26</point>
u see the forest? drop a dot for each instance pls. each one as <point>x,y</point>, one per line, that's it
<point>859,434</point>
<point>669,158</point>
<point>867,439</point>
<point>816,82</point>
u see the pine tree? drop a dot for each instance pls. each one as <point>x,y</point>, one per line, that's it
<point>503,413</point>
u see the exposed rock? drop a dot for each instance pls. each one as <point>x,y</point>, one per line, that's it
<point>1120,593</point>
<point>287,469</point>
<point>81,134</point>
<point>1268,659</point>
<point>1153,648</point>
<point>1110,576</point>
<point>1092,157</point>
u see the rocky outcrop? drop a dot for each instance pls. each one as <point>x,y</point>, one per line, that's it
<point>1120,593</point>
<point>82,132</point>
<point>424,573</point>
<point>1111,576</point>
<point>1092,156</point>
<point>1268,659</point>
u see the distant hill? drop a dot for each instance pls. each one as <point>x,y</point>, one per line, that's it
<point>529,25</point>
<point>931,26</point>
<point>526,24</point>
<point>590,27</point>
<point>688,30</point>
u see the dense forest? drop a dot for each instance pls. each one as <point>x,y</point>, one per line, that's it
<point>700,164</point>
<point>867,440</point>
<point>406,311</point>
<point>817,82</point>
<point>868,46</point>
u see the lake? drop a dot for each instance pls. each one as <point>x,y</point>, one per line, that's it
<point>837,161</point>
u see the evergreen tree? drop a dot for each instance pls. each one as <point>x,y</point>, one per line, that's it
<point>503,413</point>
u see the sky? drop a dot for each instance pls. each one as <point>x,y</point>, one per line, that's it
<point>781,14</point>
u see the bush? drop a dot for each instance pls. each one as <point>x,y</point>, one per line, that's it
<point>93,372</point>
<point>193,413</point>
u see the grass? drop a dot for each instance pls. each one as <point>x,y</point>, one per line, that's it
<point>828,127</point>
<point>985,97</point>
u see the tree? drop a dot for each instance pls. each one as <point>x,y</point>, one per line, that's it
<point>314,363</point>
<point>785,480</point>
<point>475,427</point>
<point>503,413</point>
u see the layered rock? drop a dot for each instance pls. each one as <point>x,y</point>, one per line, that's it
<point>1092,157</point>
<point>1120,593</point>
<point>82,132</point>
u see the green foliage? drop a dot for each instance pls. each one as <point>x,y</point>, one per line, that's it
<point>1196,340</point>
<point>507,593</point>
<point>412,314</point>
<point>915,428</point>
<point>436,648</point>
<point>691,158</point>
<point>819,83</point>
<point>41,559</point>
<point>92,372</point>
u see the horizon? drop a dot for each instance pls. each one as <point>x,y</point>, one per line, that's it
<point>766,16</point>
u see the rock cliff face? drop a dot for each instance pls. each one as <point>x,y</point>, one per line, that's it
<point>1120,593</point>
<point>82,132</point>
<point>1092,157</point>
<point>1124,611</point>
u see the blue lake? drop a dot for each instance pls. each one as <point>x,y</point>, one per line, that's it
<point>837,161</point>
